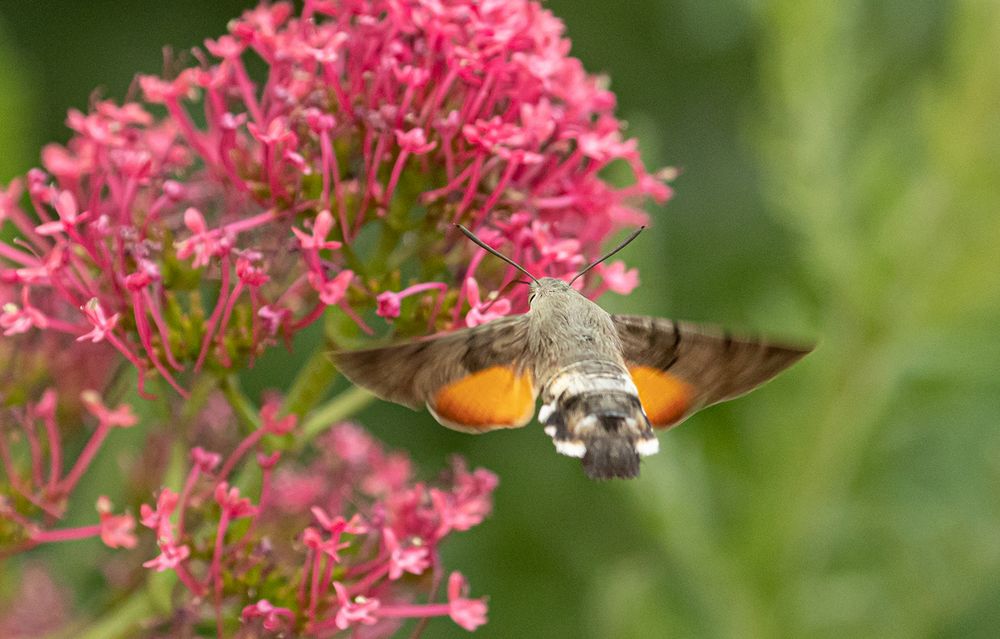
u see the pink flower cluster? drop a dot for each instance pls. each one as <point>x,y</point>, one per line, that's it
<point>377,125</point>
<point>43,487</point>
<point>353,532</point>
<point>348,540</point>
<point>186,232</point>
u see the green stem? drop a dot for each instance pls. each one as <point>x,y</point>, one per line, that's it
<point>121,621</point>
<point>353,262</point>
<point>388,242</point>
<point>311,383</point>
<point>246,412</point>
<point>200,392</point>
<point>344,405</point>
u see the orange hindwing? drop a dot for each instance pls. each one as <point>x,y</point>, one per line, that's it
<point>665,398</point>
<point>495,397</point>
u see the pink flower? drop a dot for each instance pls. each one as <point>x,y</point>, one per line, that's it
<point>276,132</point>
<point>274,618</point>
<point>122,416</point>
<point>335,527</point>
<point>203,243</point>
<point>478,116</point>
<point>352,443</point>
<point>249,274</point>
<point>389,474</point>
<point>470,500</point>
<point>116,530</point>
<point>188,245</point>
<point>171,556</point>
<point>617,279</point>
<point>65,205</point>
<point>158,90</point>
<point>205,461</point>
<point>295,493</point>
<point>228,498</point>
<point>225,47</point>
<point>483,312</point>
<point>159,518</point>
<point>330,546</point>
<point>267,462</point>
<point>354,562</point>
<point>331,291</point>
<point>468,613</point>
<point>389,304</point>
<point>316,240</point>
<point>360,610</point>
<point>270,421</point>
<point>15,320</point>
<point>414,559</point>
<point>338,525</point>
<point>274,318</point>
<point>103,325</point>
<point>414,141</point>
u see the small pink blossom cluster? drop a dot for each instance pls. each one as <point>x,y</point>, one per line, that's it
<point>345,542</point>
<point>377,125</point>
<point>39,492</point>
<point>348,540</point>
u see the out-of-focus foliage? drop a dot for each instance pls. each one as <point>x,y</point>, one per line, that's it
<point>861,498</point>
<point>15,97</point>
<point>840,164</point>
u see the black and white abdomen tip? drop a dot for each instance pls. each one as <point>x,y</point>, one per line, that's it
<point>592,411</point>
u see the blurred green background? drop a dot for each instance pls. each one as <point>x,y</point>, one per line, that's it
<point>840,182</point>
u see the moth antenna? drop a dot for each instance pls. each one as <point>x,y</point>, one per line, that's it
<point>627,241</point>
<point>472,236</point>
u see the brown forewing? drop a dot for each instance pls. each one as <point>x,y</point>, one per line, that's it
<point>718,365</point>
<point>410,373</point>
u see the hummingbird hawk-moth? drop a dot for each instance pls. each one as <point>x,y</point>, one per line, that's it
<point>606,381</point>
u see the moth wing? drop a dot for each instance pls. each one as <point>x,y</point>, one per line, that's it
<point>680,367</point>
<point>474,379</point>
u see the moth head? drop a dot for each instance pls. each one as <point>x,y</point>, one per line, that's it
<point>550,286</point>
<point>546,286</point>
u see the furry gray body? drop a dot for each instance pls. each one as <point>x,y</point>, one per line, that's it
<point>590,407</point>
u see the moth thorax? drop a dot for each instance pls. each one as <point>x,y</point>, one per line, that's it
<point>591,410</point>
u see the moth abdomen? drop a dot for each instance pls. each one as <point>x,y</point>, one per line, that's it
<point>592,411</point>
<point>607,430</point>
<point>608,457</point>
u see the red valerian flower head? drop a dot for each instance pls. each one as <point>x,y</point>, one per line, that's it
<point>323,178</point>
<point>374,127</point>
